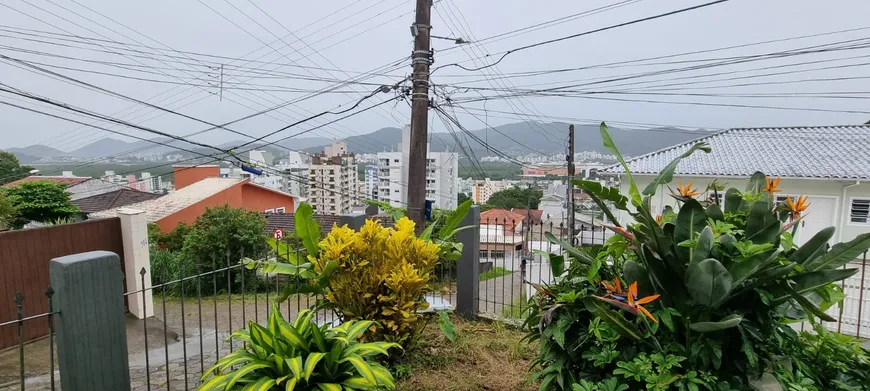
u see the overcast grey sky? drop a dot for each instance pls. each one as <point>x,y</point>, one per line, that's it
<point>359,36</point>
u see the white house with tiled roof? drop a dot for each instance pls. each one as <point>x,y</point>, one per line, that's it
<point>829,164</point>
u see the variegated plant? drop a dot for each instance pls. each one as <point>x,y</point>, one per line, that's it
<point>301,356</point>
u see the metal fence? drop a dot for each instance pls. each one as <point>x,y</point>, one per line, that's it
<point>195,308</point>
<point>510,260</point>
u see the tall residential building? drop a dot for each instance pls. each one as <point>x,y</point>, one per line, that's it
<point>371,182</point>
<point>333,181</point>
<point>483,189</point>
<point>442,176</point>
<point>295,168</point>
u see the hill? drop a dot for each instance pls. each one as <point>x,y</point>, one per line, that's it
<point>38,151</point>
<point>513,139</point>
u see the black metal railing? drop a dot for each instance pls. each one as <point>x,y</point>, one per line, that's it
<point>30,348</point>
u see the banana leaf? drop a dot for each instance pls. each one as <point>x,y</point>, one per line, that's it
<point>840,254</point>
<point>611,146</point>
<point>691,220</point>
<point>813,247</point>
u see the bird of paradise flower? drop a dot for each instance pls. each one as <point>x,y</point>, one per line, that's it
<point>630,302</point>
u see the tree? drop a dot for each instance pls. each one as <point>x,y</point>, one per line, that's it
<point>8,213</point>
<point>515,197</point>
<point>10,169</point>
<point>222,236</point>
<point>40,201</point>
<point>462,197</point>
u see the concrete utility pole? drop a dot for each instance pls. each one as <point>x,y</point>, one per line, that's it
<point>420,60</point>
<point>570,194</point>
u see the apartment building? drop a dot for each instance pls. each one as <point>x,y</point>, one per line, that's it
<point>333,181</point>
<point>442,176</point>
<point>371,182</point>
<point>481,190</point>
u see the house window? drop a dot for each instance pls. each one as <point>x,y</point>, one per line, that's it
<point>280,210</point>
<point>860,212</point>
<point>483,254</point>
<point>395,160</point>
<point>270,210</point>
<point>498,254</point>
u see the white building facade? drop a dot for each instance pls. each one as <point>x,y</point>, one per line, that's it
<point>442,176</point>
<point>333,183</point>
<point>371,182</point>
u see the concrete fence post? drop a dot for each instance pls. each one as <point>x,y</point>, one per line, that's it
<point>354,221</point>
<point>91,338</point>
<point>468,266</point>
<point>134,237</point>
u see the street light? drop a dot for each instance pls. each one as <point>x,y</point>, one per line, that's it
<point>458,41</point>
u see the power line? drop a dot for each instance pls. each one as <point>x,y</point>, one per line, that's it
<point>572,36</point>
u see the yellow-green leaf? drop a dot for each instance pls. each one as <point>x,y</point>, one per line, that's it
<point>303,320</point>
<point>216,383</point>
<point>241,372</point>
<point>291,384</point>
<point>358,382</point>
<point>295,365</point>
<point>329,386</point>
<point>264,384</point>
<point>288,332</point>
<point>262,337</point>
<point>357,328</point>
<point>362,367</point>
<point>371,348</point>
<point>384,377</point>
<point>317,335</point>
<point>311,362</point>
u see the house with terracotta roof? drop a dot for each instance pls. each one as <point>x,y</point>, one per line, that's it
<point>829,164</point>
<point>112,200</point>
<point>78,186</point>
<point>201,187</point>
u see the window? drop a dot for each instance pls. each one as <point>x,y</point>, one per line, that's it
<point>280,210</point>
<point>483,254</point>
<point>270,210</point>
<point>498,254</point>
<point>395,160</point>
<point>860,212</point>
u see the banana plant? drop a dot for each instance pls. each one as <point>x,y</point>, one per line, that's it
<point>301,356</point>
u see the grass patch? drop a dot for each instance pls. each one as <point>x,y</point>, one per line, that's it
<point>485,356</point>
<point>494,273</point>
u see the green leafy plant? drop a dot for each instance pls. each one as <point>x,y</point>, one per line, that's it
<point>693,301</point>
<point>301,356</point>
<point>40,201</point>
<point>378,273</point>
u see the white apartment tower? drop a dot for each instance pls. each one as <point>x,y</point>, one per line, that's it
<point>372,182</point>
<point>333,183</point>
<point>442,176</point>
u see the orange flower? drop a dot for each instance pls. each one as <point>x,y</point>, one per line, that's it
<point>687,191</point>
<point>635,303</point>
<point>795,208</point>
<point>615,288</point>
<point>659,219</point>
<point>772,185</point>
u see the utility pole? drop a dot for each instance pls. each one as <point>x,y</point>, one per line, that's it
<point>570,194</point>
<point>222,83</point>
<point>420,60</point>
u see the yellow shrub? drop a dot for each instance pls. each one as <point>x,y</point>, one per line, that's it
<point>382,275</point>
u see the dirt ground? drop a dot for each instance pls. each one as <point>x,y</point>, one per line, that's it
<point>485,356</point>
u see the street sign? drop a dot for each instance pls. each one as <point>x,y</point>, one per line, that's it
<point>278,234</point>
